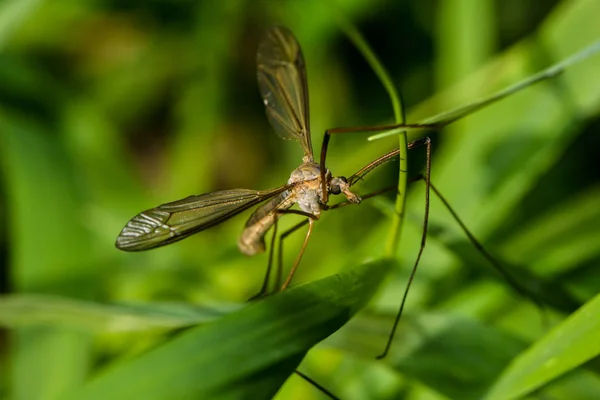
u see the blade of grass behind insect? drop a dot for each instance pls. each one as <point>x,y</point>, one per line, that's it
<point>447,117</point>
<point>567,346</point>
<point>48,243</point>
<point>27,310</point>
<point>248,353</point>
<point>429,350</point>
<point>541,243</point>
<point>544,120</point>
<point>12,13</point>
<point>399,116</point>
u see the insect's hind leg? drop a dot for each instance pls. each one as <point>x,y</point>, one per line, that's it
<point>315,384</point>
<point>310,219</point>
<point>502,271</point>
<point>280,250</point>
<point>264,291</point>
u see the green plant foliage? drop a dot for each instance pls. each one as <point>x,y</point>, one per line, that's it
<point>568,345</point>
<point>108,108</point>
<point>232,357</point>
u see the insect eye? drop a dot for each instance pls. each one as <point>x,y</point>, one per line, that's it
<point>335,186</point>
<point>335,189</point>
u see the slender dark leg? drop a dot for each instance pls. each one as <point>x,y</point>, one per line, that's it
<point>281,238</point>
<point>335,131</point>
<point>317,385</point>
<point>299,257</point>
<point>428,185</point>
<point>264,289</point>
<point>478,246</point>
<point>372,165</point>
<point>427,142</point>
<point>310,218</point>
<point>490,259</point>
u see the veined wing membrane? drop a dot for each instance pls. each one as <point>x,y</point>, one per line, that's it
<point>177,220</point>
<point>283,86</point>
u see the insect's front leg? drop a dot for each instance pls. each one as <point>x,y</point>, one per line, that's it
<point>334,131</point>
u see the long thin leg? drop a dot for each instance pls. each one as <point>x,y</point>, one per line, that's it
<point>310,219</point>
<point>493,262</point>
<point>428,185</point>
<point>427,142</point>
<point>264,289</point>
<point>335,131</point>
<point>299,257</point>
<point>372,165</point>
<point>383,159</point>
<point>281,238</point>
<point>317,385</point>
<point>435,122</point>
<point>490,259</point>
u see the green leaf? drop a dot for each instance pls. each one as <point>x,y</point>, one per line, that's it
<point>448,117</point>
<point>12,14</point>
<point>458,356</point>
<point>247,354</point>
<point>400,118</point>
<point>37,310</point>
<point>49,243</point>
<point>567,346</point>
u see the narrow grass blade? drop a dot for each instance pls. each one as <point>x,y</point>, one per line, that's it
<point>400,118</point>
<point>247,354</point>
<point>567,346</point>
<point>445,118</point>
<point>12,13</point>
<point>22,310</point>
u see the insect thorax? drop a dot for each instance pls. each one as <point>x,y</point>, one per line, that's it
<point>307,181</point>
<point>306,172</point>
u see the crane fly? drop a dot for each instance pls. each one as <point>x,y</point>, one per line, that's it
<point>283,85</point>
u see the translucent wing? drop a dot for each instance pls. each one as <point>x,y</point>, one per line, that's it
<point>282,83</point>
<point>174,221</point>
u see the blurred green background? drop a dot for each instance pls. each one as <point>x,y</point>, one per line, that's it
<point>108,108</point>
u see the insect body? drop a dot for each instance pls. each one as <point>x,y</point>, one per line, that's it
<point>305,191</point>
<point>283,86</point>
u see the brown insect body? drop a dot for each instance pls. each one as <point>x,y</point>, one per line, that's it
<point>283,86</point>
<point>306,191</point>
<point>252,240</point>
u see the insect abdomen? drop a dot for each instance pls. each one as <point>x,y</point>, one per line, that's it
<point>252,240</point>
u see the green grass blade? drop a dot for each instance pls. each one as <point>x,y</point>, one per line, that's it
<point>42,195</point>
<point>426,350</point>
<point>247,354</point>
<point>400,118</point>
<point>12,13</point>
<point>24,310</point>
<point>445,118</point>
<point>567,346</point>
